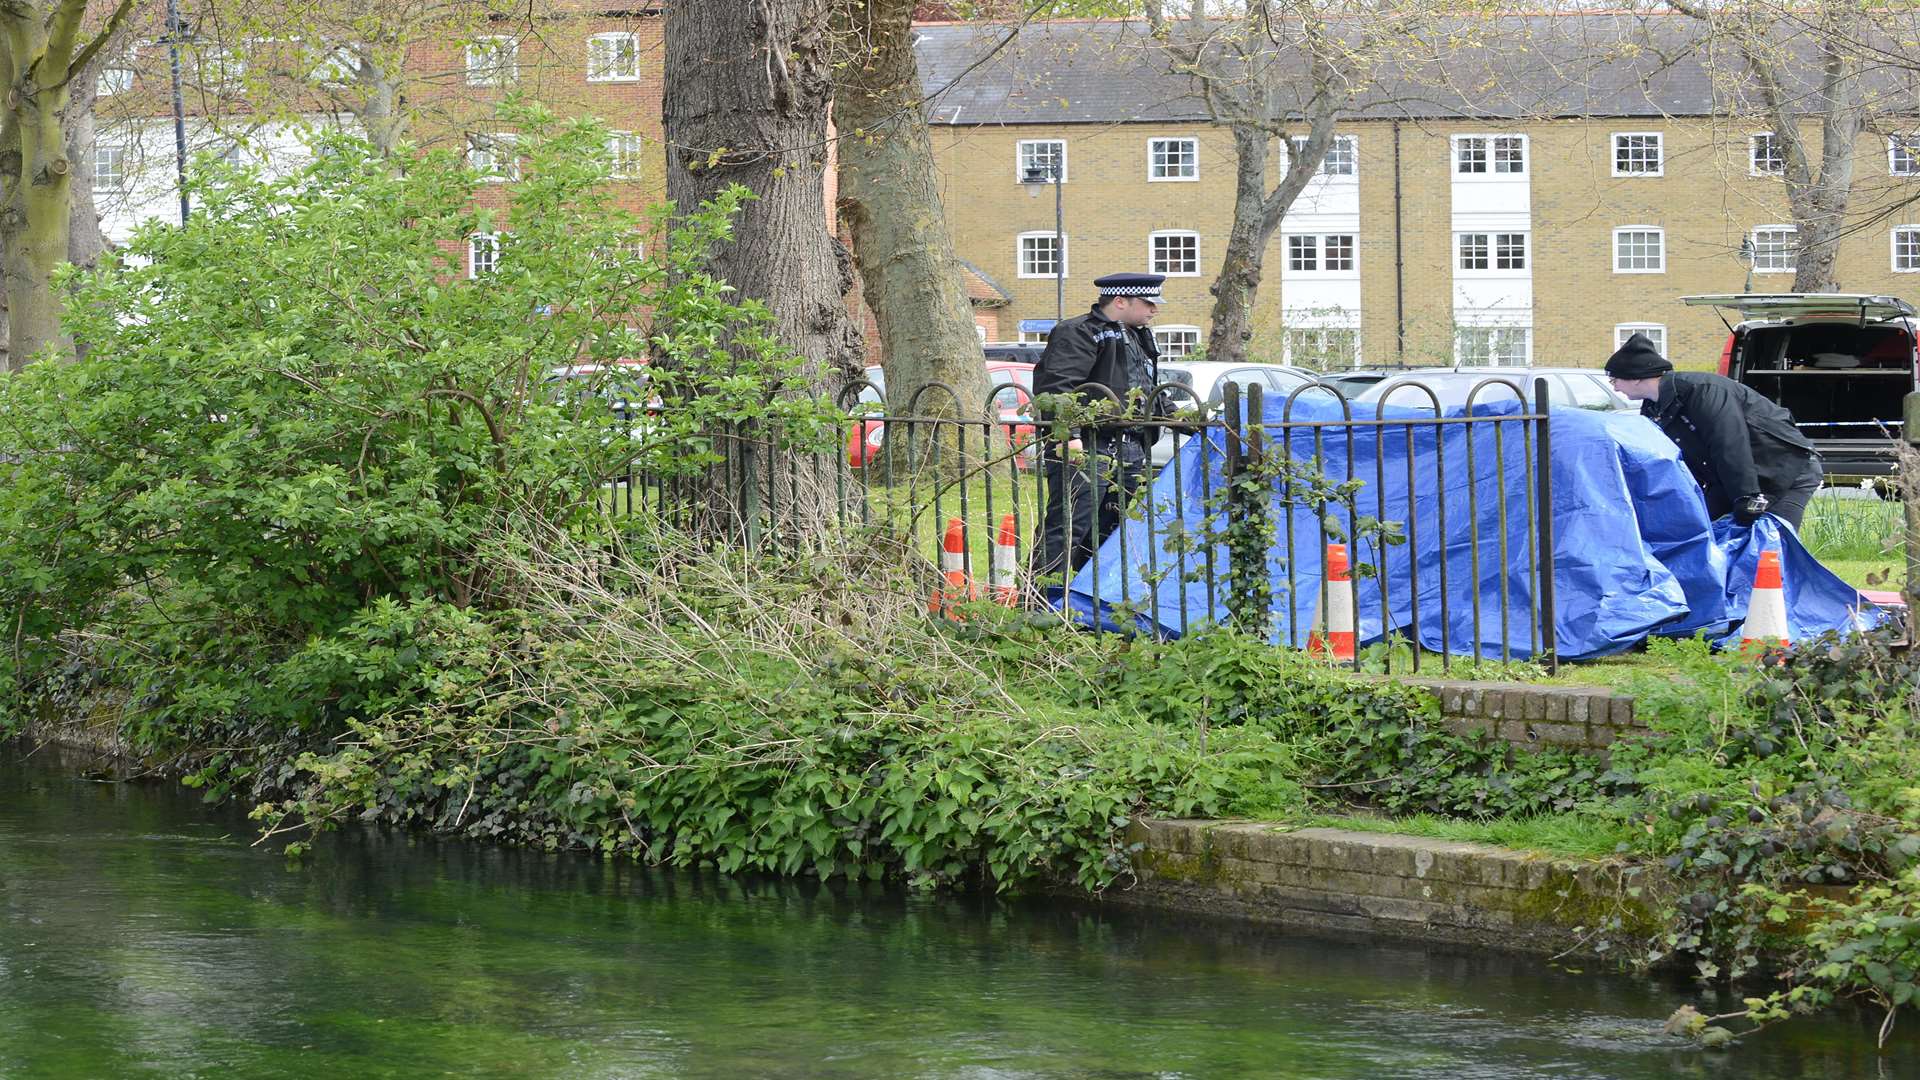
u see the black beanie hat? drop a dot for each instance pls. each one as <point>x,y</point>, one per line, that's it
<point>1637,359</point>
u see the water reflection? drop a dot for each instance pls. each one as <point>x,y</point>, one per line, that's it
<point>140,934</point>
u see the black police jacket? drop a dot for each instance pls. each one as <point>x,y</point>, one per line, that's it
<point>1734,441</point>
<point>1091,348</point>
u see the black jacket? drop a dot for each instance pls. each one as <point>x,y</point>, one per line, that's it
<point>1090,349</point>
<point>1734,441</point>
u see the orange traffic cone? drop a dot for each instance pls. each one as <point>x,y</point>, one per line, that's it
<point>1000,575</point>
<point>1332,633</point>
<point>954,587</point>
<point>1766,623</point>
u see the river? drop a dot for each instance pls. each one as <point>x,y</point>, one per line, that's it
<point>142,935</point>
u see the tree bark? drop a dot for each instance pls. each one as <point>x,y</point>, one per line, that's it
<point>748,89</point>
<point>889,200</point>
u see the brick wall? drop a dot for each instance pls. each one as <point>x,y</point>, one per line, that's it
<point>1531,716</point>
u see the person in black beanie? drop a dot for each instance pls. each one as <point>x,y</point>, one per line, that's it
<point>1742,448</point>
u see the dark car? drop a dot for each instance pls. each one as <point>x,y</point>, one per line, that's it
<point>1841,363</point>
<point>1582,388</point>
<point>1019,352</point>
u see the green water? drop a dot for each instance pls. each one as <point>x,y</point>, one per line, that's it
<point>141,935</point>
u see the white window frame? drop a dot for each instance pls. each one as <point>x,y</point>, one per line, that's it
<point>1492,239</point>
<point>1654,230</point>
<point>1033,337</point>
<point>624,150</point>
<point>119,172</point>
<point>1494,357</point>
<point>1655,331</point>
<point>1316,248</point>
<point>608,73</point>
<point>474,243</point>
<point>114,79</point>
<point>495,145</point>
<point>1893,244</point>
<point>1753,154</point>
<point>1659,153</point>
<point>1289,354</point>
<point>1020,254</point>
<point>1343,148</point>
<point>1153,255</point>
<point>1020,159</point>
<point>1793,248</point>
<point>1488,149</point>
<point>1193,153</point>
<point>1159,339</point>
<point>1910,143</point>
<point>504,54</point>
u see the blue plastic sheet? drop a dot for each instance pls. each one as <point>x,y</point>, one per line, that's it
<point>1634,551</point>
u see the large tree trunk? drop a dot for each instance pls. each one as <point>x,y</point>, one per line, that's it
<point>1231,326</point>
<point>890,203</point>
<point>748,88</point>
<point>35,224</point>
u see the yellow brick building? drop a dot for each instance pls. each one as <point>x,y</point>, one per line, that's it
<point>1542,239</point>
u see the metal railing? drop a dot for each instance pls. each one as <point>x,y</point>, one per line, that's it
<point>1236,510</point>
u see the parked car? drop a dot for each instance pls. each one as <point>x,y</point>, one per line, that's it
<point>621,383</point>
<point>1013,383</point>
<point>1585,388</point>
<point>1208,380</point>
<point>1019,352</point>
<point>1841,363</point>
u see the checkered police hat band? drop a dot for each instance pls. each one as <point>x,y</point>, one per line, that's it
<point>1131,290</point>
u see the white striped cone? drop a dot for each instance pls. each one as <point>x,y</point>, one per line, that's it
<point>1766,623</point>
<point>954,587</point>
<point>1333,631</point>
<point>1000,575</point>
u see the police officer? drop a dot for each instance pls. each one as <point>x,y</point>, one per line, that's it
<point>1742,448</point>
<point>1090,479</point>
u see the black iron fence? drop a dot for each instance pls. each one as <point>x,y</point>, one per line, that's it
<point>1385,532</point>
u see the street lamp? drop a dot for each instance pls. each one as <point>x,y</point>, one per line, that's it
<point>1746,260</point>
<point>175,34</point>
<point>1035,178</point>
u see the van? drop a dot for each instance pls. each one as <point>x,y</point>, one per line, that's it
<point>1841,363</point>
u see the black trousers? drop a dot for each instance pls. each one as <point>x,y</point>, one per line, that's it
<point>1791,506</point>
<point>1087,499</point>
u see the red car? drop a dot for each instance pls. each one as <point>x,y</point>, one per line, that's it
<point>1013,388</point>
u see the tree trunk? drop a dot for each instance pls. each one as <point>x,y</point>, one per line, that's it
<point>35,224</point>
<point>748,89</point>
<point>1247,238</point>
<point>890,202</point>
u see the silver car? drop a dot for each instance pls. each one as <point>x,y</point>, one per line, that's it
<point>1583,388</point>
<point>1208,379</point>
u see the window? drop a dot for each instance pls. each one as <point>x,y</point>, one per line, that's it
<point>1903,155</point>
<point>1637,153</point>
<point>1906,249</point>
<point>1480,155</point>
<point>623,155</point>
<point>1332,253</point>
<point>1174,253</point>
<point>493,61</point>
<point>1033,337</point>
<point>1303,253</point>
<point>1482,346</point>
<point>114,80</point>
<point>483,254</point>
<point>1323,348</point>
<point>109,167</point>
<point>1493,251</point>
<point>1775,248</point>
<point>1342,155</point>
<point>1177,342</point>
<point>1049,156</point>
<point>1040,257</point>
<point>1654,331</point>
<point>1173,159</point>
<point>1639,249</point>
<point>613,58</point>
<point>1764,155</point>
<point>492,157</point>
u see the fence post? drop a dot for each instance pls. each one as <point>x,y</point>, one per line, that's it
<point>1229,473</point>
<point>1910,431</point>
<point>1543,505</point>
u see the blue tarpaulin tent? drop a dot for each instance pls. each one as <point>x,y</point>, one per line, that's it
<point>1633,550</point>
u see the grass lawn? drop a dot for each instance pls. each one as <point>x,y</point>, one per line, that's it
<point>1574,835</point>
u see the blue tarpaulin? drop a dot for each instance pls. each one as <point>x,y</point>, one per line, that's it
<point>1634,552</point>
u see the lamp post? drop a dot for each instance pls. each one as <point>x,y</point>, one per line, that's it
<point>174,35</point>
<point>1746,260</point>
<point>1035,178</point>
